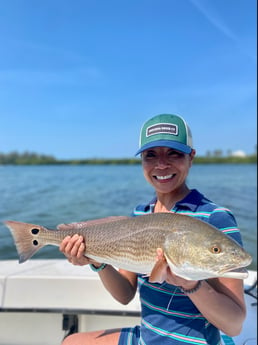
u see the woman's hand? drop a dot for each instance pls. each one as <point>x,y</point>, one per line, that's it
<point>169,276</point>
<point>74,247</point>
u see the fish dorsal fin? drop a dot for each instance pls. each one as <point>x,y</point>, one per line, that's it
<point>80,225</point>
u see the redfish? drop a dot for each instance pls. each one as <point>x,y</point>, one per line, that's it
<point>193,249</point>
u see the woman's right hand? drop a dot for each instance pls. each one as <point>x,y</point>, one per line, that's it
<point>73,247</point>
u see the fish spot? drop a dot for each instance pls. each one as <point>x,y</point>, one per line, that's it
<point>35,242</point>
<point>35,231</point>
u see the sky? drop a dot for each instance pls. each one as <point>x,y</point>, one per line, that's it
<point>79,77</point>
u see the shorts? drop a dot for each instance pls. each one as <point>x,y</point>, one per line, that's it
<point>129,336</point>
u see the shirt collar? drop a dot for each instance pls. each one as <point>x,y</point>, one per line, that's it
<point>191,202</point>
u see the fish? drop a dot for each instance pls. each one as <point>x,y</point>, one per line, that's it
<point>193,249</point>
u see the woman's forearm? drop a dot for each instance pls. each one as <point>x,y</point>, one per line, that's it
<point>121,287</point>
<point>219,308</point>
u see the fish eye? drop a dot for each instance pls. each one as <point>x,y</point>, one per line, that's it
<point>215,249</point>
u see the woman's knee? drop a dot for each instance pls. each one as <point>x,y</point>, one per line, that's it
<point>79,339</point>
<point>106,337</point>
<point>71,339</point>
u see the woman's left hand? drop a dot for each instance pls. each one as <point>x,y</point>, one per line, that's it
<point>169,276</point>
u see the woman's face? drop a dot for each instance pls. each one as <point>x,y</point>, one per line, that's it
<point>166,169</point>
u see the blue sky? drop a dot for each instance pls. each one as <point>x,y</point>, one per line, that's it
<point>79,77</point>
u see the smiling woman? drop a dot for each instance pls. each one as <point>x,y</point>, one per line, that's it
<point>200,309</point>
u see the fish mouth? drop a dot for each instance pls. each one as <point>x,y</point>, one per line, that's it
<point>233,271</point>
<point>239,273</point>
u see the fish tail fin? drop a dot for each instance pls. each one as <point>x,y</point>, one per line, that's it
<point>27,238</point>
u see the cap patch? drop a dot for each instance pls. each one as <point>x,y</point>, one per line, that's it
<point>159,128</point>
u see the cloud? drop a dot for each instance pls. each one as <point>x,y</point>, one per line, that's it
<point>213,17</point>
<point>247,46</point>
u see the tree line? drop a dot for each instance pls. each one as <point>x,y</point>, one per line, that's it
<point>31,158</point>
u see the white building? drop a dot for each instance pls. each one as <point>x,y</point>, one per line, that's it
<point>238,153</point>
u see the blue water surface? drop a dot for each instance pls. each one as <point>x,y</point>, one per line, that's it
<point>50,195</point>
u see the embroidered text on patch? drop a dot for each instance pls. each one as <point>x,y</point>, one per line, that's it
<point>159,128</point>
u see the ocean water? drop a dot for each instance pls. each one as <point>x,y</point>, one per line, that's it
<point>50,195</point>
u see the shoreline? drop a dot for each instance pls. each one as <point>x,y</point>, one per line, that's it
<point>121,161</point>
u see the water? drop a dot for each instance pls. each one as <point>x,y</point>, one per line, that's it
<point>49,195</point>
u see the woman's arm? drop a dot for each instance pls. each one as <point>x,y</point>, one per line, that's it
<point>221,301</point>
<point>121,284</point>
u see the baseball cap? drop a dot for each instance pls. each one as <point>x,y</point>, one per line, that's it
<point>166,130</point>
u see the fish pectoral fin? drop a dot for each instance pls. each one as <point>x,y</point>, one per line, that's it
<point>159,271</point>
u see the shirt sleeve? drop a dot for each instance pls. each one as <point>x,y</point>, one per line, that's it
<point>224,220</point>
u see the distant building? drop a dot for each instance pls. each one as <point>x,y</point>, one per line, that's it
<point>238,153</point>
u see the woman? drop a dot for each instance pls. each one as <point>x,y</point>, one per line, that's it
<point>177,311</point>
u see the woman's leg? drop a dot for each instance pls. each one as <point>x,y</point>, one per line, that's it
<point>106,337</point>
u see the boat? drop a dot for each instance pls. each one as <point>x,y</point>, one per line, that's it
<point>42,301</point>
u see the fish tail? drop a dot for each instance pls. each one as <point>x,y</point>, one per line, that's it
<point>27,238</point>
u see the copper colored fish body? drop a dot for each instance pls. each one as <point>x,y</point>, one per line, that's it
<point>193,249</point>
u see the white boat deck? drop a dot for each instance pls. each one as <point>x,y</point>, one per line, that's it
<point>54,285</point>
<point>35,295</point>
<point>38,297</point>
